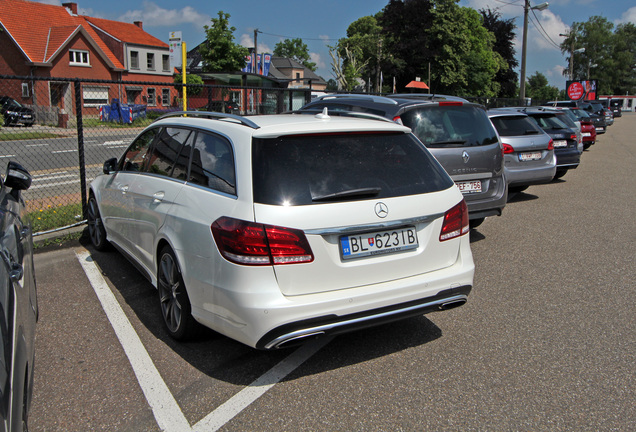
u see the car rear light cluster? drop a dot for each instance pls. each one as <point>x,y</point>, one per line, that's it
<point>250,243</point>
<point>507,149</point>
<point>455,222</point>
<point>551,145</point>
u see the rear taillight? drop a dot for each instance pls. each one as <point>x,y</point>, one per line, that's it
<point>507,149</point>
<point>455,222</point>
<point>398,120</point>
<point>551,145</point>
<point>450,103</point>
<point>250,243</point>
<point>573,137</point>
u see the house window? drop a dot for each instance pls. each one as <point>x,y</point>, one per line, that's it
<point>165,97</point>
<point>166,63</point>
<point>134,59</point>
<point>150,61</point>
<point>95,96</point>
<point>25,90</point>
<point>78,58</point>
<point>152,97</point>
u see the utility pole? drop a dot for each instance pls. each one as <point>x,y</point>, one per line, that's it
<point>255,63</point>
<point>377,68</point>
<point>526,8</point>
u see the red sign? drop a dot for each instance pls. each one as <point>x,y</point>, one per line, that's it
<point>576,91</point>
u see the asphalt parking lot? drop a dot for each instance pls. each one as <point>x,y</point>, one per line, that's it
<point>547,340</point>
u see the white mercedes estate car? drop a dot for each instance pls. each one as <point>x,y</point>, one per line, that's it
<point>275,229</point>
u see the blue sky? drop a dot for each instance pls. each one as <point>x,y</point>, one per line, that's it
<point>322,23</point>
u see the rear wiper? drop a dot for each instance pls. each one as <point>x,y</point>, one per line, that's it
<point>351,193</point>
<point>445,143</point>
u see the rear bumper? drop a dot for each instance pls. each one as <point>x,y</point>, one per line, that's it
<point>490,203</point>
<point>298,332</point>
<point>568,158</point>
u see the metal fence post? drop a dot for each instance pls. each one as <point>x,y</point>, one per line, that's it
<point>77,85</point>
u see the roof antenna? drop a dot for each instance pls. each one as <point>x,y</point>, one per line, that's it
<point>324,115</point>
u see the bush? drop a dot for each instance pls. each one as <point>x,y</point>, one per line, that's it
<point>1,121</point>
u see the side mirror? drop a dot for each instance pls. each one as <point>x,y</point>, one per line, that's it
<point>110,166</point>
<point>17,177</point>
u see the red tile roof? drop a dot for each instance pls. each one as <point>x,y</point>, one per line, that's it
<point>41,30</point>
<point>126,32</point>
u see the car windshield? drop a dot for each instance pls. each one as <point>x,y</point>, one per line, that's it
<point>450,125</point>
<point>548,121</point>
<point>11,103</point>
<point>508,126</point>
<point>322,168</point>
<point>581,114</point>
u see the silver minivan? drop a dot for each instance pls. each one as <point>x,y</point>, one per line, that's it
<point>457,132</point>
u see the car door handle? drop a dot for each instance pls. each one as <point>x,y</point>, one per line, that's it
<point>158,196</point>
<point>124,189</point>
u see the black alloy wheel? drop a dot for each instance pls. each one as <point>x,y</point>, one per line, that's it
<point>173,298</point>
<point>96,230</point>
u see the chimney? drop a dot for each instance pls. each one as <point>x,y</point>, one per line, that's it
<point>71,6</point>
<point>139,24</point>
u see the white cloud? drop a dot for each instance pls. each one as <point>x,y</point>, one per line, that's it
<point>248,42</point>
<point>317,58</point>
<point>628,16</point>
<point>153,15</point>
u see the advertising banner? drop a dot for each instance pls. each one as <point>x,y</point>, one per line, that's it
<point>581,89</point>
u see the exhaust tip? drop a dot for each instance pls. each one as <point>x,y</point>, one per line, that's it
<point>453,304</point>
<point>298,340</point>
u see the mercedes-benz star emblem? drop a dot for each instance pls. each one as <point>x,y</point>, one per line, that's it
<point>465,156</point>
<point>381,210</point>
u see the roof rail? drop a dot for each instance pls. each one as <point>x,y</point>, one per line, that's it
<point>340,113</point>
<point>427,96</point>
<point>372,98</point>
<point>213,116</point>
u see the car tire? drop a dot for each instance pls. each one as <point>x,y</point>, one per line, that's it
<point>174,303</point>
<point>96,230</point>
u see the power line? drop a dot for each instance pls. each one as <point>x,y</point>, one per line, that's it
<point>297,37</point>
<point>542,31</point>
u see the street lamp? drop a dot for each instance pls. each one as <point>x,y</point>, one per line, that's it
<point>526,8</point>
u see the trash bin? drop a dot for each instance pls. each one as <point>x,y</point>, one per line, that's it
<point>62,119</point>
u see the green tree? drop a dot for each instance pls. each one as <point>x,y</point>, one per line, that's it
<point>503,30</point>
<point>538,88</point>
<point>364,38</point>
<point>295,49</point>
<point>219,52</point>
<point>192,83</point>
<point>449,38</point>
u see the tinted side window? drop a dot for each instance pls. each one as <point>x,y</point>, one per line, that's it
<point>135,156</point>
<point>549,122</point>
<point>170,153</point>
<point>515,126</point>
<point>315,169</point>
<point>445,126</point>
<point>213,163</point>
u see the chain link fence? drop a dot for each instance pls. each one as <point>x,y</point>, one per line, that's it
<point>62,130</point>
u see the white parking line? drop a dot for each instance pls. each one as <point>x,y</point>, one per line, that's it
<point>165,408</point>
<point>64,151</point>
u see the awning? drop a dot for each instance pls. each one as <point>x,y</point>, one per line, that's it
<point>134,88</point>
<point>417,84</point>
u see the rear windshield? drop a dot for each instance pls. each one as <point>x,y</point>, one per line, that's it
<point>448,126</point>
<point>314,169</point>
<point>509,126</point>
<point>549,121</point>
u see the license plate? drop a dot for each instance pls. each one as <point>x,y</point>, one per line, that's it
<point>26,116</point>
<point>560,143</point>
<point>529,156</point>
<point>587,134</point>
<point>377,243</point>
<point>468,187</point>
<point>600,128</point>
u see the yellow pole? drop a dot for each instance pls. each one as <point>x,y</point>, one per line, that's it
<point>184,62</point>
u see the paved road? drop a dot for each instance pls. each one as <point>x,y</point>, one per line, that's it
<point>547,340</point>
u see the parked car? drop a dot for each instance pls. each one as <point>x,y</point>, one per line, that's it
<point>594,107</point>
<point>564,138</point>
<point>588,131</point>
<point>275,229</point>
<point>607,109</point>
<point>15,113</point>
<point>615,106</point>
<point>529,157</point>
<point>571,121</point>
<point>18,302</point>
<point>455,131</point>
